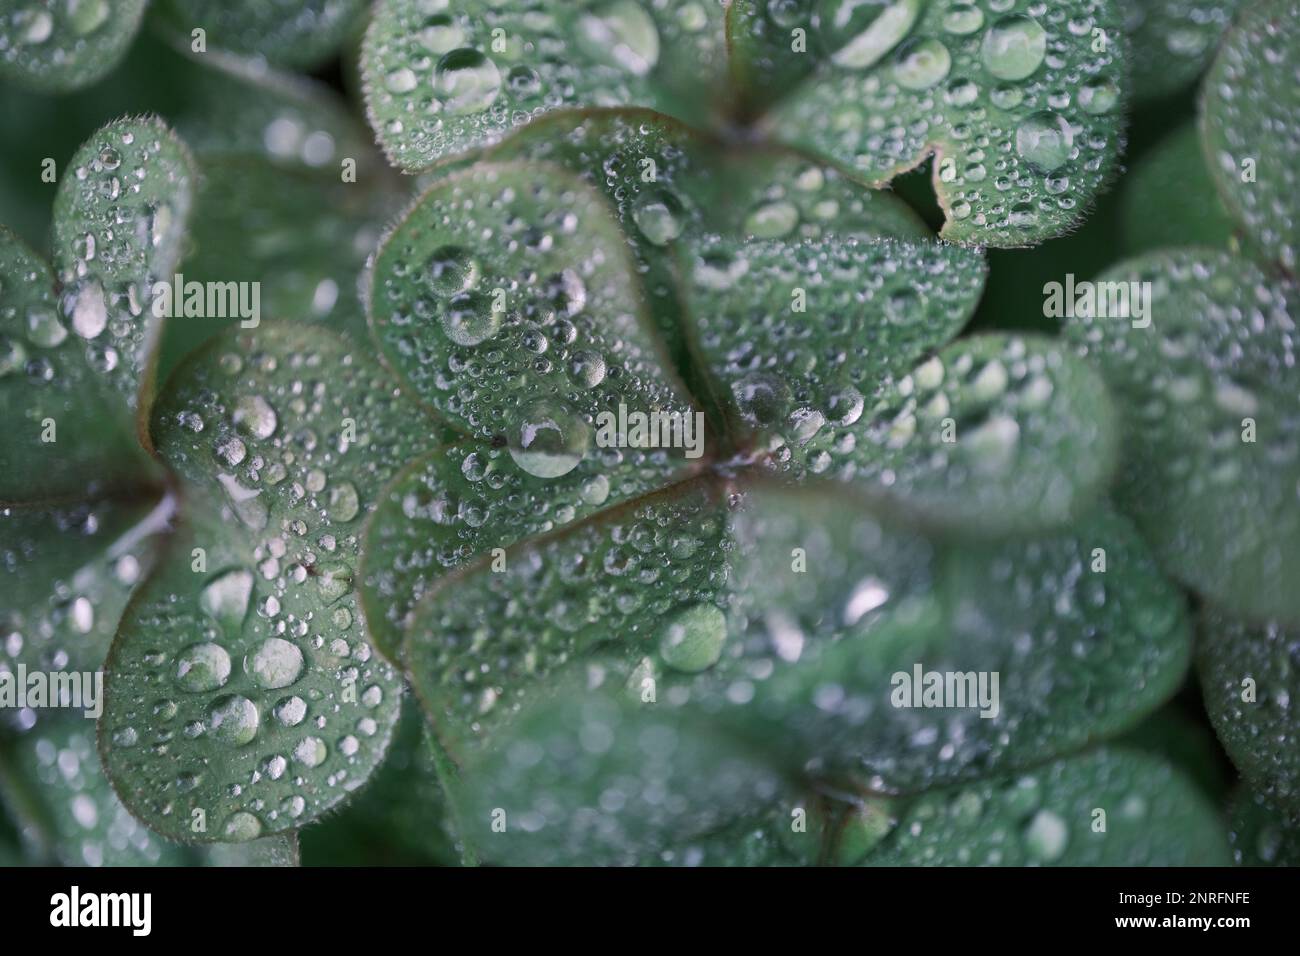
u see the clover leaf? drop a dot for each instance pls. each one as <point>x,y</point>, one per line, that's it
<point>61,46</point>
<point>1249,679</point>
<point>880,87</point>
<point>1248,103</point>
<point>1207,383</point>
<point>273,707</point>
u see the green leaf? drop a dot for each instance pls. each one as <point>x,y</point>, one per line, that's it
<point>604,585</point>
<point>63,46</point>
<point>993,435</point>
<point>1153,816</point>
<point>48,377</point>
<point>293,198</point>
<point>241,681</point>
<point>1083,633</point>
<point>1016,160</point>
<point>508,285</point>
<point>119,219</point>
<point>464,500</point>
<point>1207,386</point>
<point>781,631</point>
<point>1260,836</point>
<point>1250,679</point>
<point>51,779</point>
<point>68,574</point>
<point>1156,216</point>
<point>288,33</point>
<point>245,108</point>
<point>76,359</point>
<point>1171,42</point>
<point>794,333</point>
<point>54,784</point>
<point>1248,106</point>
<point>669,185</point>
<point>665,179</point>
<point>598,779</point>
<point>442,80</point>
<point>302,237</point>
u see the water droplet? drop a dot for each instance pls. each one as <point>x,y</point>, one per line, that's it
<point>549,439</point>
<point>202,667</point>
<point>761,397</point>
<point>773,220</point>
<point>276,663</point>
<point>1046,837</point>
<point>922,63</point>
<point>466,82</point>
<point>1045,140</point>
<point>44,328</point>
<point>1099,95</point>
<point>310,752</point>
<point>691,640</point>
<point>1014,47</point>
<point>659,214</point>
<point>963,19</point>
<point>786,13</point>
<point>89,311</point>
<point>451,269</point>
<point>225,598</point>
<point>333,581</point>
<point>621,33</point>
<point>233,720</point>
<point>860,32</point>
<point>241,827</point>
<point>344,504</point>
<point>34,25</point>
<point>291,711</point>
<point>470,319</point>
<point>254,416</point>
<point>12,355</point>
<point>587,368</point>
<point>400,81</point>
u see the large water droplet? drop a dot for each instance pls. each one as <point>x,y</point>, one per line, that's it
<point>451,269</point>
<point>1046,837</point>
<point>659,214</point>
<point>860,32</point>
<point>89,310</point>
<point>466,81</point>
<point>276,663</point>
<point>202,667</point>
<point>225,598</point>
<point>254,416</point>
<point>233,720</point>
<point>761,397</point>
<point>549,439</point>
<point>310,752</point>
<point>333,581</point>
<point>1045,140</point>
<point>1099,95</point>
<point>691,639</point>
<point>241,827</point>
<point>44,328</point>
<point>621,33</point>
<point>922,63</point>
<point>1014,47</point>
<point>470,318</point>
<point>772,220</point>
